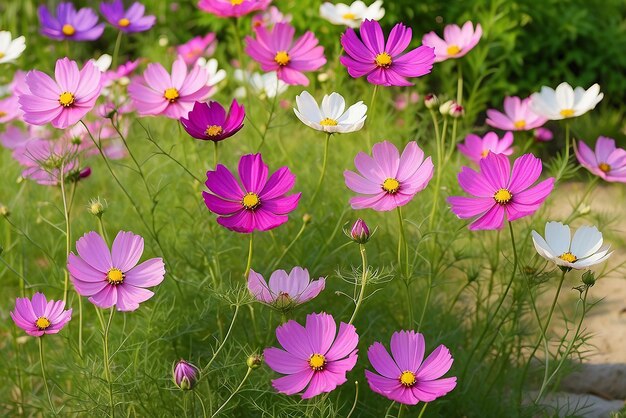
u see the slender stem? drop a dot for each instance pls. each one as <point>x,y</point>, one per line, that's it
<point>459,84</point>
<point>567,146</point>
<point>402,240</point>
<point>270,115</point>
<point>400,409</point>
<point>105,355</point>
<point>102,229</point>
<point>43,374</point>
<point>323,173</point>
<point>591,185</point>
<point>234,392</point>
<point>249,263</point>
<point>230,328</point>
<point>389,408</point>
<point>439,168</point>
<point>291,244</point>
<point>66,214</point>
<point>370,115</point>
<point>116,50</point>
<point>204,415</point>
<point>422,411</point>
<point>356,398</point>
<point>363,282</point>
<point>215,154</point>
<point>240,56</point>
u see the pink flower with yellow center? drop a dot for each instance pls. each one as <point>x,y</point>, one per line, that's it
<point>232,8</point>
<point>457,41</point>
<point>607,161</point>
<point>517,116</point>
<point>40,316</point>
<point>476,148</point>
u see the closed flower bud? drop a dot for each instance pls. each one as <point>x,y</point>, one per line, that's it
<point>185,375</point>
<point>4,211</point>
<point>85,172</point>
<point>588,278</point>
<point>431,101</point>
<point>445,107</point>
<point>543,134</point>
<point>307,218</point>
<point>360,233</point>
<point>456,110</point>
<point>96,207</point>
<point>254,361</point>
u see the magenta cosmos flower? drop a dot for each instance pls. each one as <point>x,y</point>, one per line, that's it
<point>284,290</point>
<point>158,93</point>
<point>209,121</point>
<point>383,62</point>
<point>456,41</point>
<point>131,20</point>
<point>113,277</point>
<point>387,179</point>
<point>232,8</point>
<point>261,205</point>
<point>607,162</point>
<point>314,355</point>
<point>517,116</point>
<point>405,376</point>
<point>498,193</point>
<point>200,46</point>
<point>63,101</point>
<point>275,50</point>
<point>476,148</point>
<point>185,375</point>
<point>40,316</point>
<point>81,25</point>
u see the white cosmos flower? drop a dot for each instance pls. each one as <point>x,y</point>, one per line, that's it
<point>263,85</point>
<point>352,15</point>
<point>103,63</point>
<point>565,102</point>
<point>10,49</point>
<point>216,75</point>
<point>332,116</point>
<point>582,251</point>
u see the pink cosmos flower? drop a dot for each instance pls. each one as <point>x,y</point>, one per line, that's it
<point>285,291</point>
<point>9,109</point>
<point>384,62</point>
<point>387,179</point>
<point>275,50</point>
<point>405,376</point>
<point>63,101</point>
<point>200,46</point>
<point>210,122</point>
<point>113,277</point>
<point>476,148</point>
<point>607,162</point>
<point>14,137</point>
<point>456,41</point>
<point>48,162</point>
<point>40,316</point>
<point>261,205</point>
<point>122,71</point>
<point>543,134</point>
<point>517,116</point>
<point>158,93</point>
<point>232,8</point>
<point>269,18</point>
<point>314,355</point>
<point>498,193</point>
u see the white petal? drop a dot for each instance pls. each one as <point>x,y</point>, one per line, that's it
<point>587,240</point>
<point>542,246</point>
<point>308,107</point>
<point>333,106</point>
<point>564,96</point>
<point>558,237</point>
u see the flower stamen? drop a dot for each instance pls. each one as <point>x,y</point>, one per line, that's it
<point>115,276</point>
<point>391,185</point>
<point>407,378</point>
<point>123,22</point>
<point>213,130</point>
<point>250,201</point>
<point>171,94</point>
<point>282,58</point>
<point>66,99</point>
<point>519,124</point>
<point>453,50</point>
<point>383,60</point>
<point>235,2</point>
<point>568,257</point>
<point>349,16</point>
<point>317,362</point>
<point>604,167</point>
<point>328,122</point>
<point>567,113</point>
<point>68,30</point>
<point>502,196</point>
<point>42,323</point>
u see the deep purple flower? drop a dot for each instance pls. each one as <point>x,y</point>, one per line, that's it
<point>131,20</point>
<point>81,25</point>
<point>209,121</point>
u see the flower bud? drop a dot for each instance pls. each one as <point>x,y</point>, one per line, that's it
<point>589,278</point>
<point>96,207</point>
<point>431,101</point>
<point>4,211</point>
<point>85,172</point>
<point>456,110</point>
<point>185,375</point>
<point>445,107</point>
<point>543,134</point>
<point>254,361</point>
<point>360,233</point>
<point>307,218</point>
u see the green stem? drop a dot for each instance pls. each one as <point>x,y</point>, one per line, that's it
<point>215,154</point>
<point>370,115</point>
<point>422,411</point>
<point>591,185</point>
<point>439,167</point>
<point>66,214</point>
<point>459,84</point>
<point>43,374</point>
<point>230,328</point>
<point>323,173</point>
<point>363,282</point>
<point>204,415</point>
<point>402,240</point>
<point>116,50</point>
<point>105,355</point>
<point>240,56</point>
<point>291,244</point>
<point>249,263</point>
<point>356,398</point>
<point>270,115</point>
<point>234,392</point>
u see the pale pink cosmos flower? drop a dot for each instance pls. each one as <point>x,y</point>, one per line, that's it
<point>47,162</point>
<point>284,290</point>
<point>159,93</point>
<point>517,116</point>
<point>199,46</point>
<point>63,101</point>
<point>457,41</point>
<point>232,8</point>
<point>476,148</point>
<point>40,316</point>
<point>607,162</point>
<point>9,109</point>
<point>269,18</point>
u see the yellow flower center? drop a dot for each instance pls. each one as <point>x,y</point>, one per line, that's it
<point>391,185</point>
<point>42,323</point>
<point>328,122</point>
<point>407,378</point>
<point>383,60</point>
<point>171,94</point>
<point>519,124</point>
<point>236,2</point>
<point>68,30</point>
<point>213,130</point>
<point>502,196</point>
<point>567,113</point>
<point>453,50</point>
<point>250,201</point>
<point>484,153</point>
<point>568,257</point>
<point>604,167</point>
<point>2,112</point>
<point>349,16</point>
<point>66,99</point>
<point>2,54</point>
<point>317,362</point>
<point>123,22</point>
<point>115,276</point>
<point>282,58</point>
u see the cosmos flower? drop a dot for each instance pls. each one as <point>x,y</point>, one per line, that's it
<point>565,102</point>
<point>384,63</point>
<point>185,375</point>
<point>120,74</point>
<point>517,116</point>
<point>405,376</point>
<point>40,316</point>
<point>81,25</point>
<point>607,162</point>
<point>457,41</point>
<point>128,20</point>
<point>351,15</point>
<point>285,291</point>
<point>476,148</point>
<point>543,134</point>
<point>232,8</point>
<point>387,179</point>
<point>360,233</point>
<point>269,18</point>
<point>10,49</point>
<point>261,205</point>
<point>209,121</point>
<point>48,162</point>
<point>314,357</point>
<point>200,46</point>
<point>266,85</point>
<point>63,101</point>
<point>158,93</point>
<point>276,50</point>
<point>9,109</point>
<point>332,116</point>
<point>216,74</point>
<point>112,277</point>
<point>582,251</point>
<point>499,194</point>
